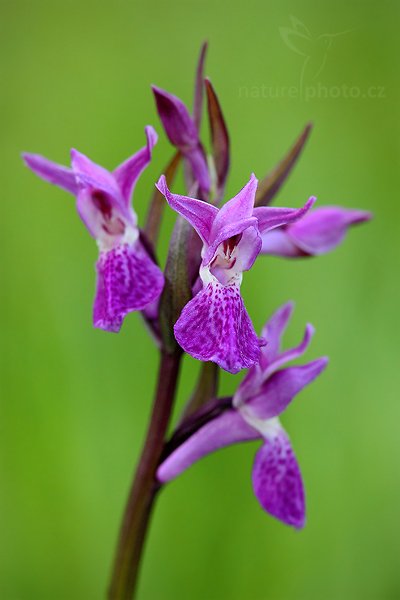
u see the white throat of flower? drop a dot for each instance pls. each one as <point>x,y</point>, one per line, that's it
<point>224,267</point>
<point>107,242</point>
<point>266,427</point>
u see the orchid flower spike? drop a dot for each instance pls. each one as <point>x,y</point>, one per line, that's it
<point>263,395</point>
<point>182,132</point>
<point>318,232</point>
<point>214,325</point>
<point>127,278</point>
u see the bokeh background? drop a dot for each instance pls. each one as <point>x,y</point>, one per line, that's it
<point>75,401</point>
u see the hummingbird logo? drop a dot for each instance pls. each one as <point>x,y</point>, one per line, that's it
<point>313,48</point>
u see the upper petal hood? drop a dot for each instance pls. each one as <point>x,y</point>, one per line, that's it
<point>239,208</point>
<point>90,174</point>
<point>249,245</point>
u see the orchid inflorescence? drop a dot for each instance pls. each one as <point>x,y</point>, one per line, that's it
<point>195,305</point>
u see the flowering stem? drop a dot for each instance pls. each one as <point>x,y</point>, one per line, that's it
<point>144,489</point>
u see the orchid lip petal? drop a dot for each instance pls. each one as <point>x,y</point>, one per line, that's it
<point>277,481</point>
<point>127,280</point>
<point>215,326</point>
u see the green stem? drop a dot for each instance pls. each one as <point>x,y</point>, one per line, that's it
<point>144,489</point>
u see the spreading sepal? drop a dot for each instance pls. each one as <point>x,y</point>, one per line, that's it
<point>316,233</point>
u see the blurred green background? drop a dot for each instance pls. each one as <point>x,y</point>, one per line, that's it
<point>75,401</point>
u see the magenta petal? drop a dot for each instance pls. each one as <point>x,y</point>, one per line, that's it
<point>278,243</point>
<point>277,481</point>
<point>270,217</point>
<point>249,245</point>
<point>129,171</point>
<point>229,428</point>
<point>292,353</point>
<point>215,326</point>
<point>178,124</point>
<point>323,229</point>
<point>276,393</point>
<point>272,332</point>
<point>51,172</point>
<point>182,133</point>
<point>93,175</point>
<point>199,214</point>
<point>238,208</point>
<point>127,280</point>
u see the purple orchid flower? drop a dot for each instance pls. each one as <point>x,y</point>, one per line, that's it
<point>214,325</point>
<point>318,232</point>
<point>127,278</point>
<point>183,133</point>
<point>262,396</point>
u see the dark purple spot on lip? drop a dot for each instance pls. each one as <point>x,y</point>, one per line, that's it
<point>230,244</point>
<point>112,225</point>
<point>102,203</point>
